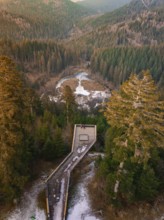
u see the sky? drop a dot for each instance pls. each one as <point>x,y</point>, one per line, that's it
<point>77,0</point>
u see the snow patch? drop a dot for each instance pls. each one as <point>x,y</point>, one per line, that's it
<point>61,82</point>
<point>96,154</point>
<point>42,95</point>
<point>100,94</point>
<point>80,207</point>
<point>53,98</point>
<point>81,149</point>
<point>97,105</point>
<point>160,218</point>
<point>28,206</point>
<point>82,76</point>
<point>83,97</point>
<point>81,91</point>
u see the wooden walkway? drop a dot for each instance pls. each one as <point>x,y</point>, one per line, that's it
<point>57,184</point>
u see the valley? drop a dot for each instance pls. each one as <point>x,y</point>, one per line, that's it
<point>95,62</point>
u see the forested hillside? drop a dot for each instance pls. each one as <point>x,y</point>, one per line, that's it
<point>38,18</point>
<point>116,64</point>
<point>124,13</point>
<point>142,28</point>
<point>117,50</point>
<point>103,5</point>
<point>43,38</point>
<point>48,57</point>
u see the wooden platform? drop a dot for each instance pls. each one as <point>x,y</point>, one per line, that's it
<point>57,184</point>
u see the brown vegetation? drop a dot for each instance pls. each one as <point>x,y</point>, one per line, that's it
<point>92,85</point>
<point>137,211</point>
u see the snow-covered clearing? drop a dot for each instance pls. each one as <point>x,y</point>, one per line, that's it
<point>28,205</point>
<point>80,90</point>
<point>83,96</point>
<point>79,206</point>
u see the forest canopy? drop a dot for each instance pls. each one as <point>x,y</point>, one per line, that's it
<point>132,167</point>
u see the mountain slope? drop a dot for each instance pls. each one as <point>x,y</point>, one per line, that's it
<point>132,25</point>
<point>144,28</point>
<point>127,40</point>
<point>38,18</point>
<point>103,5</point>
<point>127,11</point>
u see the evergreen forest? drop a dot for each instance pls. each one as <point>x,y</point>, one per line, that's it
<point>46,39</point>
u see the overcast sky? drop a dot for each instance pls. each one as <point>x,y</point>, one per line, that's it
<point>76,0</point>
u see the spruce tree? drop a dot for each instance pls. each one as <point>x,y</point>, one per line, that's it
<point>136,108</point>
<point>70,103</point>
<point>137,114</point>
<point>13,150</point>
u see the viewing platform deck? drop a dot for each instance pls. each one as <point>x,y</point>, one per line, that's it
<point>57,184</point>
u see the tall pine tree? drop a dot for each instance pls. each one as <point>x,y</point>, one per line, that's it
<point>136,108</point>
<point>13,150</point>
<point>136,116</point>
<point>70,103</point>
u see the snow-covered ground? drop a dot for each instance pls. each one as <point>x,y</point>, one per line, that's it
<point>81,91</point>
<point>160,218</point>
<point>83,97</point>
<point>79,206</point>
<point>28,205</point>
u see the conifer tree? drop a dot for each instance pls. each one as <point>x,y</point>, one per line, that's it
<point>13,150</point>
<point>136,108</point>
<point>138,113</point>
<point>70,103</point>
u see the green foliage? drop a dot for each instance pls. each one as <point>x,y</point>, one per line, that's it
<point>116,64</point>
<point>70,104</point>
<point>39,56</point>
<point>144,26</point>
<point>157,162</point>
<point>14,128</point>
<point>59,143</point>
<point>127,26</point>
<point>124,13</point>
<point>147,185</point>
<point>38,19</point>
<point>48,137</point>
<point>136,109</point>
<point>133,155</point>
<point>28,131</point>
